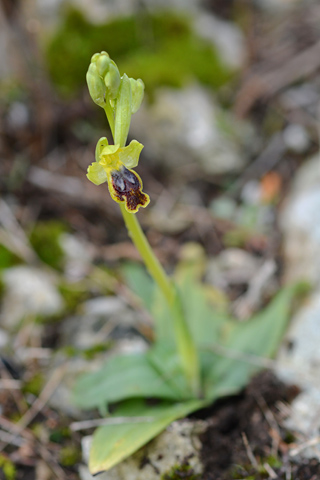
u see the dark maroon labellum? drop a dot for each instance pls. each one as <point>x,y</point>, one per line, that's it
<point>127,187</point>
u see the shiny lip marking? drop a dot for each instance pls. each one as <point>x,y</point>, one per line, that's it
<point>127,187</point>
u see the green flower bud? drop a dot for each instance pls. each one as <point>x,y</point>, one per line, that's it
<point>112,80</point>
<point>103,79</point>
<point>103,62</point>
<point>137,88</point>
<point>96,86</point>
<point>95,57</point>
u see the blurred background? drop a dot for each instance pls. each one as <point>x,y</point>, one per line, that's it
<point>230,124</point>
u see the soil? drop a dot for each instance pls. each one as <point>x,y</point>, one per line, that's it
<point>247,440</point>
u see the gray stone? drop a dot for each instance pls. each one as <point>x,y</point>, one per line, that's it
<point>4,339</point>
<point>99,319</point>
<point>299,358</point>
<point>278,5</point>
<point>225,36</point>
<point>231,267</point>
<point>178,444</point>
<point>18,115</point>
<point>99,11</point>
<point>304,96</point>
<point>299,221</point>
<point>299,364</point>
<point>300,355</point>
<point>28,291</point>
<point>296,138</point>
<point>187,127</point>
<point>103,306</point>
<point>224,207</point>
<point>61,399</point>
<point>78,256</point>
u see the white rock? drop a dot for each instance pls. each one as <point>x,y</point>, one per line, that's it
<point>99,318</point>
<point>4,339</point>
<point>98,11</point>
<point>103,306</point>
<point>232,266</point>
<point>184,127</point>
<point>304,96</point>
<point>278,5</point>
<point>18,115</point>
<point>296,138</point>
<point>61,399</point>
<point>300,223</point>
<point>78,256</point>
<point>299,357</point>
<point>299,363</point>
<point>176,445</point>
<point>251,192</point>
<point>225,36</point>
<point>28,291</point>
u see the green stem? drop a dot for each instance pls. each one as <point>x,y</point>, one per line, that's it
<point>110,116</point>
<point>152,263</point>
<point>185,344</point>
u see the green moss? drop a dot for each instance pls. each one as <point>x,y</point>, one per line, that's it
<point>69,455</point>
<point>60,434</point>
<point>160,48</point>
<point>2,285</point>
<point>34,385</point>
<point>90,353</point>
<point>87,353</point>
<point>236,237</point>
<point>7,467</point>
<point>7,258</point>
<point>273,461</point>
<point>44,238</point>
<point>73,294</point>
<point>289,437</point>
<point>178,472</point>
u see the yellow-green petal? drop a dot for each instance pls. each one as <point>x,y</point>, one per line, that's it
<point>108,150</point>
<point>129,155</point>
<point>103,142</point>
<point>97,174</point>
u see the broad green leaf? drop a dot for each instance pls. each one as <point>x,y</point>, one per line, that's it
<point>165,360</point>
<point>164,331</point>
<point>122,377</point>
<point>258,337</point>
<point>204,320</point>
<point>140,283</point>
<point>113,443</point>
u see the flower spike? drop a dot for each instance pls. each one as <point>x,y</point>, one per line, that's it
<point>120,97</point>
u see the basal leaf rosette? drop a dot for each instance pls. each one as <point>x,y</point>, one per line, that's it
<point>114,165</point>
